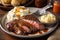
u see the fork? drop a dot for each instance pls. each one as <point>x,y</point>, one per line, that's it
<point>43,10</point>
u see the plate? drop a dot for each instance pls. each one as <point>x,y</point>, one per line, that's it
<point>3,27</point>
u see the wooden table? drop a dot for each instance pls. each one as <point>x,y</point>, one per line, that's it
<point>5,36</point>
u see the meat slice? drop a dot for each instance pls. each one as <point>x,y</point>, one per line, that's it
<point>33,24</point>
<point>24,28</point>
<point>16,30</point>
<point>13,28</point>
<point>30,17</point>
<point>17,27</point>
<point>27,25</point>
<point>9,26</point>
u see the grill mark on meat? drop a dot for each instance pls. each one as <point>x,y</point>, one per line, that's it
<point>32,29</point>
<point>27,25</point>
<point>9,27</point>
<point>34,24</point>
<point>13,28</point>
<point>25,29</point>
<point>16,30</point>
<point>30,17</point>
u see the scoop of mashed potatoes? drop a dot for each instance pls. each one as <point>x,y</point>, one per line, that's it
<point>48,18</point>
<point>17,12</point>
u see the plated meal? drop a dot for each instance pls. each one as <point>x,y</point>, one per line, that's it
<point>20,21</point>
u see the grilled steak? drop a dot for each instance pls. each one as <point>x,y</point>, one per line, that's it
<point>26,25</point>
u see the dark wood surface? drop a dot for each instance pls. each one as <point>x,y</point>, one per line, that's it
<point>5,36</point>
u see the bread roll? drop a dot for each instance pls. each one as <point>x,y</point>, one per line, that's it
<point>6,1</point>
<point>16,2</point>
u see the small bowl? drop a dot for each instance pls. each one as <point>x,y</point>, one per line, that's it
<point>47,23</point>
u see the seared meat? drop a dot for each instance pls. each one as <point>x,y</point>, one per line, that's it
<point>32,21</point>
<point>34,24</point>
<point>27,25</point>
<point>23,23</point>
<point>23,28</point>
<point>17,27</point>
<point>13,28</point>
<point>16,30</point>
<point>30,17</point>
<point>9,26</point>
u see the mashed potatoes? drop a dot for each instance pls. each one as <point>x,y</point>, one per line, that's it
<point>17,12</point>
<point>48,18</point>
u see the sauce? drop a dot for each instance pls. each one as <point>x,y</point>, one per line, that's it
<point>46,30</point>
<point>56,8</point>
